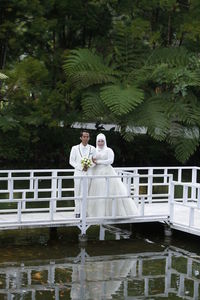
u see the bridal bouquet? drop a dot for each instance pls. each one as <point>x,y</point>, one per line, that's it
<point>86,163</point>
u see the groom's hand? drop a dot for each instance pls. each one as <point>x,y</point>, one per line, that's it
<point>85,168</point>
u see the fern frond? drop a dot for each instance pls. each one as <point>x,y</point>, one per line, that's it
<point>121,100</point>
<point>93,106</point>
<point>85,68</point>
<point>127,53</point>
<point>184,140</point>
<point>185,110</point>
<point>171,56</point>
<point>7,123</point>
<point>152,114</point>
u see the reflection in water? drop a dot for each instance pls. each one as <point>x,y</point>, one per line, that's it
<point>120,270</point>
<point>164,274</point>
<point>99,279</point>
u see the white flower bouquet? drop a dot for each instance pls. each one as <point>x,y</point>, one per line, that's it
<point>86,163</point>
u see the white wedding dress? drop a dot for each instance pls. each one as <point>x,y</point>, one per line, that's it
<point>98,187</point>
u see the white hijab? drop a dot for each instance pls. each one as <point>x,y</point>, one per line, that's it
<point>101,136</point>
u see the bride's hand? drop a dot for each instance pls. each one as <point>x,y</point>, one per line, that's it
<point>94,160</point>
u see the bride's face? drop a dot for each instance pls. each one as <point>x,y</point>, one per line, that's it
<point>100,143</point>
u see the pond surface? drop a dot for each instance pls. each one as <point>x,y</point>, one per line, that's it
<point>37,265</point>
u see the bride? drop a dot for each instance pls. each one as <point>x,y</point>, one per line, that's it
<point>98,187</point>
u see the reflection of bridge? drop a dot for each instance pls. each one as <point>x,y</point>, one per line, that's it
<point>34,198</point>
<point>130,276</point>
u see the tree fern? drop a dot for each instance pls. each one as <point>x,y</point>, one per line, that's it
<point>159,93</point>
<point>171,56</point>
<point>152,115</point>
<point>121,100</point>
<point>127,53</point>
<point>184,141</point>
<point>85,69</point>
<point>93,106</point>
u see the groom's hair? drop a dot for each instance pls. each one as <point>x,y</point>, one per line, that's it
<point>82,131</point>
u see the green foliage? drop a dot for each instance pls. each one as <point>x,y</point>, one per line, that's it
<point>171,77</point>
<point>3,76</point>
<point>84,68</point>
<point>133,63</point>
<point>121,100</point>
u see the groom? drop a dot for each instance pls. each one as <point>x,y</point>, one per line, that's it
<point>78,152</point>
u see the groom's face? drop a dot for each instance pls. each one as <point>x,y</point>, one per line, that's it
<point>85,138</point>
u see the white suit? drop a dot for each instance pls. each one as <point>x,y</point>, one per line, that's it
<point>77,153</point>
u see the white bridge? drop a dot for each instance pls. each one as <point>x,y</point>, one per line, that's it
<point>39,198</point>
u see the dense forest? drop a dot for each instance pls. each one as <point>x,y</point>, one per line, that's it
<point>128,62</point>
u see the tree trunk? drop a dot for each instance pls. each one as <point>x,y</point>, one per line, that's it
<point>169,31</point>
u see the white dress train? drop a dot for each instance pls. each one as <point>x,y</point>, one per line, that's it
<point>98,187</point>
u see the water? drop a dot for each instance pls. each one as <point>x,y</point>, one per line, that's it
<point>128,264</point>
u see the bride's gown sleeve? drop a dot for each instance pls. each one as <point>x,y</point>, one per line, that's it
<point>109,160</point>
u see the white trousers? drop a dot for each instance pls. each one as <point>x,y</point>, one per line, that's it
<point>78,188</point>
<point>78,183</point>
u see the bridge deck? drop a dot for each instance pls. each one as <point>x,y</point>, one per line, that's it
<point>154,212</point>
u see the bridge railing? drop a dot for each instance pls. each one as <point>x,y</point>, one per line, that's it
<point>185,196</point>
<point>49,194</point>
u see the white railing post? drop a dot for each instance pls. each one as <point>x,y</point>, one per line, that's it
<point>24,200</point>
<point>181,285</point>
<point>198,199</point>
<point>19,211</point>
<point>146,287</point>
<point>140,267</point>
<point>194,181</point>
<point>113,207</point>
<point>125,289</point>
<point>129,186</point>
<point>171,203</point>
<point>168,272</point>
<point>189,266</point>
<point>150,183</point>
<point>185,194</point>
<point>180,174</point>
<point>59,188</point>
<point>31,180</point>
<point>136,184</point>
<point>35,188</point>
<point>84,204</point>
<point>107,187</point>
<point>101,233</point>
<point>142,200</point>
<point>196,290</point>
<point>165,175</point>
<point>191,217</point>
<point>54,189</point>
<point>10,186</point>
<point>51,209</point>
